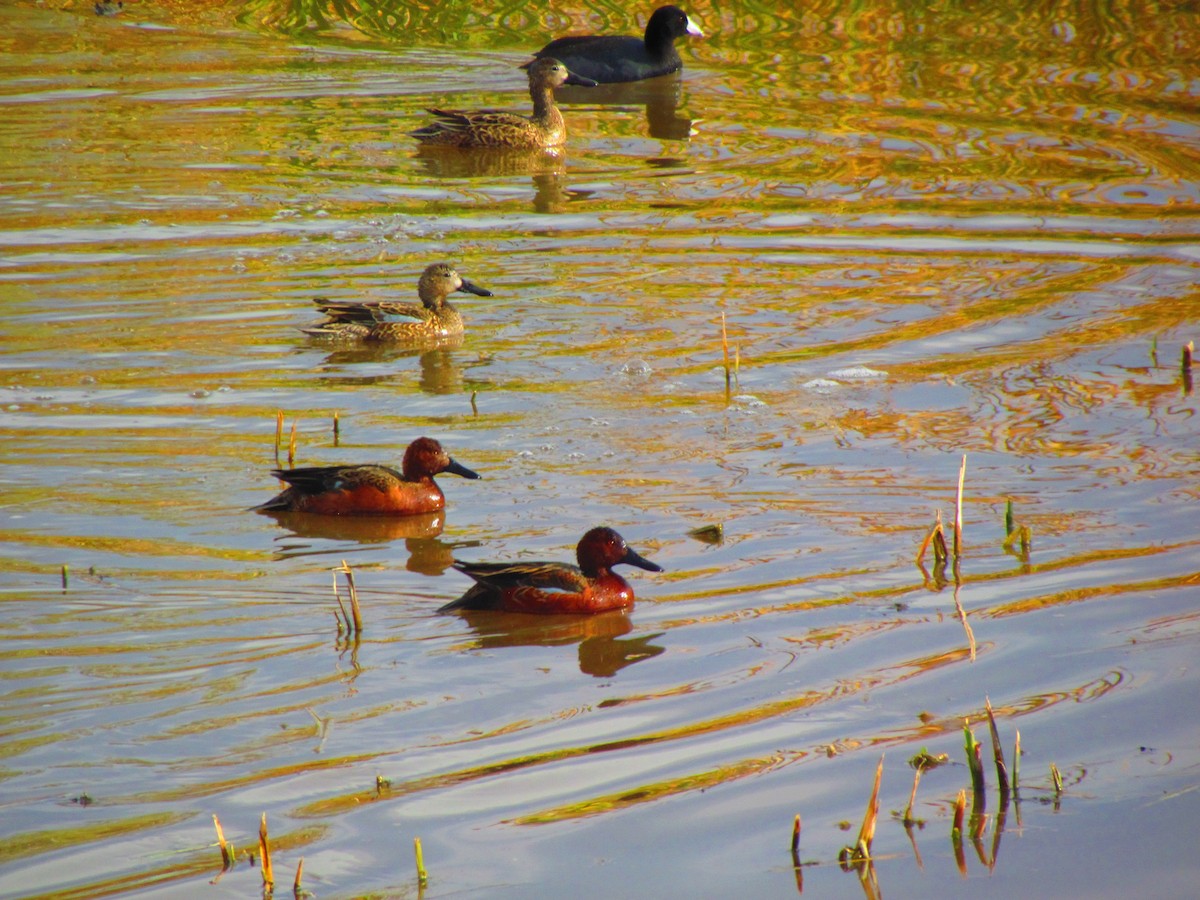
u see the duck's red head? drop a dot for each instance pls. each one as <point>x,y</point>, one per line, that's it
<point>602,548</point>
<point>425,458</point>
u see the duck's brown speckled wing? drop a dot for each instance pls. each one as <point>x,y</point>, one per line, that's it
<point>349,319</point>
<point>478,128</point>
<point>367,312</point>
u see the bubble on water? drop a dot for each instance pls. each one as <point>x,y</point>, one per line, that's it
<point>200,394</point>
<point>822,385</point>
<point>749,401</point>
<point>636,368</point>
<point>859,372</point>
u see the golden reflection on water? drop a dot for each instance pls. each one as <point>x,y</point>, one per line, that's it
<point>991,210</point>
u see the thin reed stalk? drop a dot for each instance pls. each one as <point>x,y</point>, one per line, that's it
<point>348,621</point>
<point>1016,773</point>
<point>912,797</point>
<point>958,513</point>
<point>866,833</point>
<point>422,874</point>
<point>997,750</point>
<point>960,813</point>
<point>228,856</point>
<point>264,852</point>
<point>725,352</point>
<point>975,764</point>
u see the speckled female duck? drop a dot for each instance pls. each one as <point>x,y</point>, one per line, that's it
<point>372,321</point>
<point>491,128</point>
<point>369,490</point>
<point>553,587</point>
<point>610,59</point>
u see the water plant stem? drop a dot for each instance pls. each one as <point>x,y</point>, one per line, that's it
<point>725,352</point>
<point>422,874</point>
<point>975,764</point>
<point>227,851</point>
<point>278,434</point>
<point>958,513</point>
<point>264,852</point>
<point>997,750</point>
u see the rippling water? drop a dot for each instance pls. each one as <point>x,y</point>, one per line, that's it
<point>930,233</point>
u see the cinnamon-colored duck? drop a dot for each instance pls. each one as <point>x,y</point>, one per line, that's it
<point>553,587</point>
<point>369,490</point>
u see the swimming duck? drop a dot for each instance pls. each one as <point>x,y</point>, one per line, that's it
<point>490,128</point>
<point>435,318</point>
<point>369,490</point>
<point>608,59</point>
<point>552,587</point>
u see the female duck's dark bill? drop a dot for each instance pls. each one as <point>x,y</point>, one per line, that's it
<point>470,287</point>
<point>579,80</point>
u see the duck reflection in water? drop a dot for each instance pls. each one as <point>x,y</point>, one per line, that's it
<point>440,369</point>
<point>547,170</point>
<point>602,650</point>
<point>661,97</point>
<point>427,553</point>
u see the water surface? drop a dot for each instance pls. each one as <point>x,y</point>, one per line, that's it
<point>931,233</point>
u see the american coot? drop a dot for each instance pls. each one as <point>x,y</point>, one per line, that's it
<point>370,490</point>
<point>553,587</point>
<point>434,318</point>
<point>488,128</point>
<point>612,58</point>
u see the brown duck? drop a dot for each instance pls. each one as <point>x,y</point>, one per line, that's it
<point>491,128</point>
<point>435,317</point>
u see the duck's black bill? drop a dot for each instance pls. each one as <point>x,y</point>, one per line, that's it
<point>580,80</point>
<point>640,561</point>
<point>459,469</point>
<point>472,288</point>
